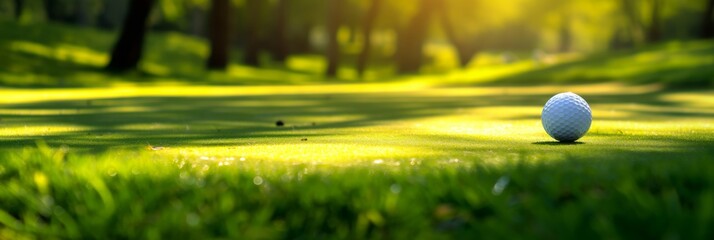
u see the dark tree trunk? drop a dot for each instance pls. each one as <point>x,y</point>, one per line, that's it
<point>708,21</point>
<point>620,40</point>
<point>411,39</point>
<point>197,21</point>
<point>219,34</point>
<point>369,19</point>
<point>111,14</point>
<point>300,39</point>
<point>565,37</point>
<point>51,10</point>
<point>60,11</point>
<point>279,50</point>
<point>654,32</point>
<point>18,8</point>
<point>127,51</point>
<point>82,13</point>
<point>636,26</point>
<point>465,50</point>
<point>333,49</point>
<point>253,42</point>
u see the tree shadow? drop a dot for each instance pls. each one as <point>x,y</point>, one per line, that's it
<point>103,123</point>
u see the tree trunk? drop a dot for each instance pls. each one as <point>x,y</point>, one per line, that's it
<point>253,42</point>
<point>333,48</point>
<point>299,39</point>
<point>636,25</point>
<point>60,11</point>
<point>82,13</point>
<point>18,8</point>
<point>219,35</point>
<point>411,39</point>
<point>465,50</point>
<point>279,50</point>
<point>50,10</point>
<point>565,36</point>
<point>197,21</point>
<point>127,51</point>
<point>111,14</point>
<point>369,19</point>
<point>654,32</point>
<point>708,21</point>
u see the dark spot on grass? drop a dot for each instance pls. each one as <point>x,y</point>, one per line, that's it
<point>304,139</point>
<point>556,143</point>
<point>279,123</point>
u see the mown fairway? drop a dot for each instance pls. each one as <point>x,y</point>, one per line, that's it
<point>391,160</point>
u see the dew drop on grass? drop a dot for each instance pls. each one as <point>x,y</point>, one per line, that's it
<point>395,188</point>
<point>111,172</point>
<point>47,200</point>
<point>192,219</point>
<point>257,180</point>
<point>500,185</point>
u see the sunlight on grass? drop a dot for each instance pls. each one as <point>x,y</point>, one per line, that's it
<point>294,152</point>
<point>339,124</point>
<point>20,131</point>
<point>65,52</point>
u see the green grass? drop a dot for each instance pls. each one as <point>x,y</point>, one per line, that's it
<point>154,155</point>
<point>381,161</point>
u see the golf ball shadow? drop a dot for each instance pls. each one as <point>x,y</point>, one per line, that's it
<point>556,143</point>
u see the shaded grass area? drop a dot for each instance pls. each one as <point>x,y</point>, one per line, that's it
<point>389,161</point>
<point>51,55</point>
<point>677,64</point>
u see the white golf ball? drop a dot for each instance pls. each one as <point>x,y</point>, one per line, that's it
<point>566,117</point>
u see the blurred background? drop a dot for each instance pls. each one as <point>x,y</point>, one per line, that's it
<point>76,42</point>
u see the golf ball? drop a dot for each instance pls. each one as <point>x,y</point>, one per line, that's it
<point>566,117</point>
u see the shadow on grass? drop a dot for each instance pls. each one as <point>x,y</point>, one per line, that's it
<point>103,123</point>
<point>56,56</point>
<point>556,143</point>
<point>676,64</point>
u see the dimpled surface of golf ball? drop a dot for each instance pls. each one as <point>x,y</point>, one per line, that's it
<point>566,117</point>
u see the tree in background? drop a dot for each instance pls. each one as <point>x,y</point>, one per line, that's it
<point>82,13</point>
<point>654,31</point>
<point>111,14</point>
<point>708,21</point>
<point>279,46</point>
<point>465,48</point>
<point>367,25</point>
<point>641,31</point>
<point>219,34</point>
<point>253,46</point>
<point>128,49</point>
<point>334,8</point>
<point>19,6</point>
<point>411,38</point>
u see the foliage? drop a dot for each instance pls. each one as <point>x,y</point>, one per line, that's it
<point>56,56</point>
